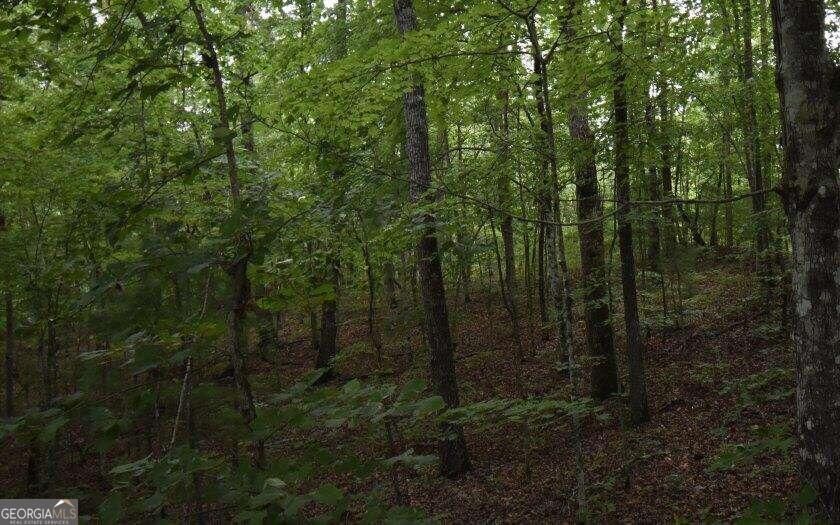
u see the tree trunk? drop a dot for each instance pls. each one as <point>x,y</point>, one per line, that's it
<point>635,347</point>
<point>373,334</point>
<point>328,337</point>
<point>50,366</point>
<point>654,193</point>
<point>541,260</point>
<point>237,270</point>
<point>506,202</point>
<point>669,239</point>
<point>753,137</point>
<point>652,186</point>
<point>727,187</point>
<point>696,236</point>
<point>599,333</point>
<point>549,240</point>
<point>508,273</point>
<point>808,81</point>
<point>390,284</point>
<point>454,459</point>
<point>328,345</point>
<point>728,21</point>
<point>713,219</point>
<point>8,359</point>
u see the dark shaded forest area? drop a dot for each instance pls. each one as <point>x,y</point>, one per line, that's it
<point>402,261</point>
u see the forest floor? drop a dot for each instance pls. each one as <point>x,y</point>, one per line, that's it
<point>720,387</point>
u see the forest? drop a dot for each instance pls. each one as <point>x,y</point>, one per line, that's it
<point>421,261</point>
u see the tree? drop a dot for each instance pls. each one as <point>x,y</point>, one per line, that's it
<point>237,269</point>
<point>599,334</point>
<point>635,346</point>
<point>808,83</point>
<point>454,459</point>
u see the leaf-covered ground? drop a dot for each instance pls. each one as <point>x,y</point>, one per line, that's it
<point>717,448</point>
<point>720,389</point>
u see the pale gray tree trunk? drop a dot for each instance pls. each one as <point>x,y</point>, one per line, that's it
<point>809,89</point>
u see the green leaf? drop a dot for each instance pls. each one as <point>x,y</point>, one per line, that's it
<point>806,496</point>
<point>429,405</point>
<point>137,467</point>
<point>48,432</point>
<point>251,516</point>
<point>328,495</point>
<point>111,509</point>
<point>412,388</point>
<point>153,502</point>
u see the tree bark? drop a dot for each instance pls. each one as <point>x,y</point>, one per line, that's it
<point>328,336</point>
<point>713,219</point>
<point>508,273</point>
<point>726,147</point>
<point>635,347</point>
<point>454,459</point>
<point>8,359</point>
<point>390,284</point>
<point>551,255</point>
<point>238,269</point>
<point>541,260</point>
<point>654,193</point>
<point>753,146</point>
<point>669,239</point>
<point>506,202</point>
<point>328,345</point>
<point>652,185</point>
<point>9,336</point>
<point>599,333</point>
<point>809,88</point>
<point>727,187</point>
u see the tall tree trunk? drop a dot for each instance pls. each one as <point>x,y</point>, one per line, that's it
<point>454,459</point>
<point>713,219</point>
<point>635,346</point>
<point>50,366</point>
<point>653,188</point>
<point>542,213</point>
<point>267,327</point>
<point>463,251</point>
<point>8,359</point>
<point>328,336</point>
<point>669,238</point>
<point>373,334</point>
<point>727,187</point>
<point>328,344</point>
<point>753,146</point>
<point>506,202</point>
<point>554,244</point>
<point>390,284</point>
<point>9,336</point>
<point>237,270</point>
<point>726,147</point>
<point>654,192</point>
<point>551,261</point>
<point>508,273</point>
<point>599,333</point>
<point>808,81</point>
